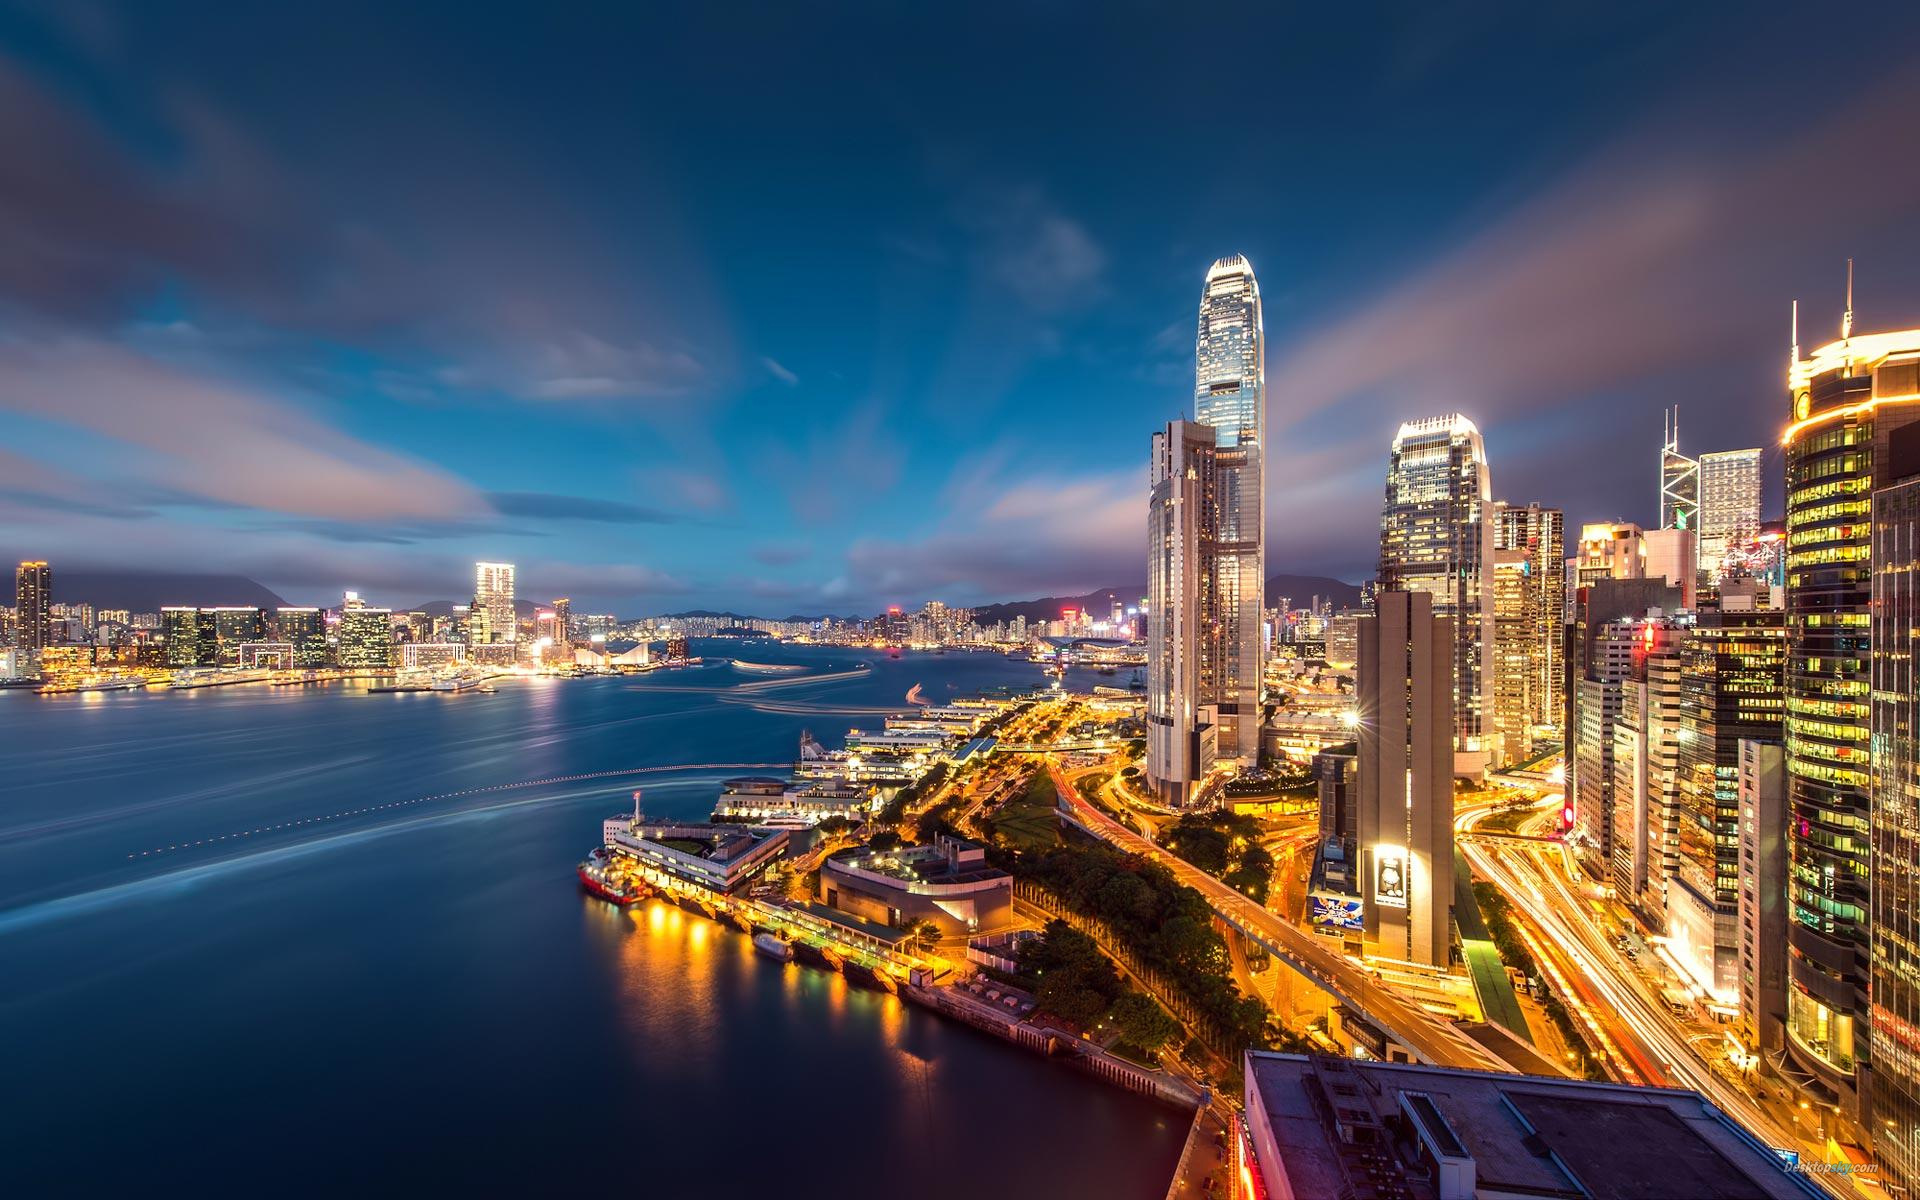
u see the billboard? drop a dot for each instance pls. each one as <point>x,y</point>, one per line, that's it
<point>1390,876</point>
<point>1333,912</point>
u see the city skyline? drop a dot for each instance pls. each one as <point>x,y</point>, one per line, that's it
<point>929,380</point>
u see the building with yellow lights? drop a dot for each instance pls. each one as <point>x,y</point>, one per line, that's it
<point>1847,399</point>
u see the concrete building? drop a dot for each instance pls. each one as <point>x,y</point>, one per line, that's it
<point>1646,759</point>
<point>718,858</point>
<point>795,803</point>
<point>1610,550</point>
<point>235,626</point>
<point>1404,776</point>
<point>1183,639</point>
<point>1334,772</point>
<point>190,638</point>
<point>305,629</point>
<point>948,883</point>
<point>493,617</point>
<point>1894,784</point>
<point>1319,1127</point>
<point>1539,534</point>
<point>33,606</point>
<point>1760,782</point>
<point>1230,398</point>
<point>1673,555</point>
<point>1730,691</point>
<point>1729,505</point>
<point>1436,537</point>
<point>1516,631</point>
<point>366,639</point>
<point>1847,400</point>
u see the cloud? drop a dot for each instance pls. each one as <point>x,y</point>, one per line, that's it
<point>575,365</point>
<point>1045,258</point>
<point>551,507</point>
<point>779,371</point>
<point>781,554</point>
<point>218,440</point>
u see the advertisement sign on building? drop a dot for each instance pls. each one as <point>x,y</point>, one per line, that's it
<point>1333,912</point>
<point>1390,876</point>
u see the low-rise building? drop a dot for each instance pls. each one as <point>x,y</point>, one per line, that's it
<point>720,858</point>
<point>948,883</point>
<point>1326,1126</point>
<point>790,802</point>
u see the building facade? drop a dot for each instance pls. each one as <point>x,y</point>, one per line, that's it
<point>1404,776</point>
<point>1540,534</point>
<point>1229,397</point>
<point>1436,538</point>
<point>366,639</point>
<point>1679,479</point>
<point>1894,782</point>
<point>305,629</point>
<point>1183,622</point>
<point>191,639</point>
<point>33,606</point>
<point>1731,669</point>
<point>1847,398</point>
<point>493,617</point>
<point>1729,505</point>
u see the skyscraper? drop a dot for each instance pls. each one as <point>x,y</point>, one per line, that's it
<point>1847,399</point>
<point>1230,398</point>
<point>33,612</point>
<point>1679,479</point>
<point>1729,504</point>
<point>1405,775</point>
<point>305,629</point>
<point>1895,787</point>
<point>1436,537</point>
<point>1539,533</point>
<point>493,617</point>
<point>366,638</point>
<point>1183,623</point>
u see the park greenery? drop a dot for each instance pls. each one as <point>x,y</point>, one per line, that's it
<point>1225,845</point>
<point>1166,926</point>
<point>1072,980</point>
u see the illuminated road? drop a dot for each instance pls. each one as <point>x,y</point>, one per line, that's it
<point>1431,1038</point>
<point>1534,880</point>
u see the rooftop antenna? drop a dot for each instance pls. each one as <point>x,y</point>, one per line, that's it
<point>1846,318</point>
<point>1795,360</point>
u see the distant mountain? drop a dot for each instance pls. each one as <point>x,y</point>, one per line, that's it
<point>145,591</point>
<point>1300,589</point>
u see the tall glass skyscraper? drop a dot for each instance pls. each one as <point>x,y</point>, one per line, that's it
<point>1848,398</point>
<point>1729,504</point>
<point>1183,618</point>
<point>1436,536</point>
<point>1230,397</point>
<point>493,617</point>
<point>1679,479</point>
<point>33,597</point>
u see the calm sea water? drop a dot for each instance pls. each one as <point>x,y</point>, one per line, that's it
<point>240,948</point>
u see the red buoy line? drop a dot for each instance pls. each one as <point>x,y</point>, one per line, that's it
<point>476,791</point>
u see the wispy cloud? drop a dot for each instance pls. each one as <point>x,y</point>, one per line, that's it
<point>779,371</point>
<point>551,507</point>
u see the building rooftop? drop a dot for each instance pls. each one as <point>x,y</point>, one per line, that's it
<point>1374,1130</point>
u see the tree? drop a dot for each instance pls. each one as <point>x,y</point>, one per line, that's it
<point>1142,1022</point>
<point>886,839</point>
<point>924,935</point>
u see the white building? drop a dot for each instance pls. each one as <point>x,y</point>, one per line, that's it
<point>492,617</point>
<point>1183,644</point>
<point>1729,504</point>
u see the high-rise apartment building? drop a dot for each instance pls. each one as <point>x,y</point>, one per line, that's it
<point>366,638</point>
<point>1230,399</point>
<point>1729,505</point>
<point>33,606</point>
<point>1183,624</point>
<point>1730,691</point>
<point>1515,630</point>
<point>1540,534</point>
<point>1679,479</point>
<point>304,629</point>
<point>493,617</point>
<point>1404,776</point>
<point>1436,537</point>
<point>1847,399</point>
<point>1894,783</point>
<point>563,626</point>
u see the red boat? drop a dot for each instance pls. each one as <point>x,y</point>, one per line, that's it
<point>598,876</point>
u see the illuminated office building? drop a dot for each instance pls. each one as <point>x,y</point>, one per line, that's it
<point>1679,479</point>
<point>563,625</point>
<point>1847,399</point>
<point>1515,630</point>
<point>366,638</point>
<point>305,629</point>
<point>191,639</point>
<point>33,606</point>
<point>1404,776</point>
<point>1729,505</point>
<point>1183,625</point>
<point>1731,666</point>
<point>1646,761</point>
<point>493,617</point>
<point>1610,550</point>
<point>1436,537</point>
<point>234,627</point>
<point>1539,533</point>
<point>1894,783</point>
<point>1230,399</point>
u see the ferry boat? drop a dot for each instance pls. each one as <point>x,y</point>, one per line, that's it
<point>598,877</point>
<point>773,945</point>
<point>818,956</point>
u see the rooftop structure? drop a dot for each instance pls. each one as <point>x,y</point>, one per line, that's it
<point>947,882</point>
<point>719,858</point>
<point>1326,1126</point>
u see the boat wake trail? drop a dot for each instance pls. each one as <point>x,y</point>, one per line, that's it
<point>343,814</point>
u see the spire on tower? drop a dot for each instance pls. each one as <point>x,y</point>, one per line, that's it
<point>1846,318</point>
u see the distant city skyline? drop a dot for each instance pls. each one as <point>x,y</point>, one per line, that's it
<point>362,319</point>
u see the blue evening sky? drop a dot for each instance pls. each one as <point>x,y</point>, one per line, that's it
<point>795,308</point>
